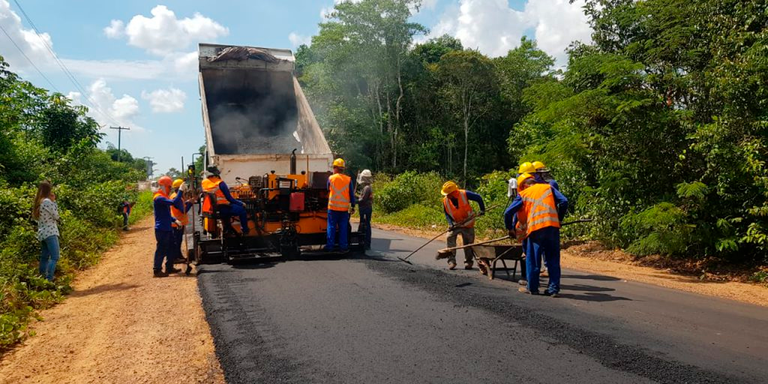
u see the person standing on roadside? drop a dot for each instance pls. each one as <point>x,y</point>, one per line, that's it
<point>179,214</point>
<point>163,231</point>
<point>125,210</point>
<point>365,202</point>
<point>46,212</point>
<point>341,203</point>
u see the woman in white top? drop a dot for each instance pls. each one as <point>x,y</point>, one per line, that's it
<point>47,214</point>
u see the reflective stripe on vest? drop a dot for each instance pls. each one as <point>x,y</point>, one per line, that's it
<point>212,186</point>
<point>538,210</point>
<point>338,198</point>
<point>178,214</point>
<point>461,212</point>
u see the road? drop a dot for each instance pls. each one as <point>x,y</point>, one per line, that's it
<point>373,319</point>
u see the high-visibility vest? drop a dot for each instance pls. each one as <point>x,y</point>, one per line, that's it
<point>211,185</point>
<point>539,210</point>
<point>460,212</point>
<point>178,214</point>
<point>338,198</point>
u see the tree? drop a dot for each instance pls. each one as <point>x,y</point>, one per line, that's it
<point>469,87</point>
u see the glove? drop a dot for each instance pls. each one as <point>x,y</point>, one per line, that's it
<point>183,187</point>
<point>178,223</point>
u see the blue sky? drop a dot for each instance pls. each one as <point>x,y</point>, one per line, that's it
<point>136,60</point>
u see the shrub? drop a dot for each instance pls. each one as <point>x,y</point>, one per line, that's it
<point>660,229</point>
<point>407,189</point>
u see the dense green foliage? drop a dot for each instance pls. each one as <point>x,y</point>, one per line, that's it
<point>43,137</point>
<point>657,129</point>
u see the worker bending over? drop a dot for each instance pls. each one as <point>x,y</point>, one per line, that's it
<point>461,221</point>
<point>227,205</point>
<point>341,202</point>
<point>163,219</point>
<point>179,214</point>
<point>534,216</point>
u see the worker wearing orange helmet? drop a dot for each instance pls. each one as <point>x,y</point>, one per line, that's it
<point>535,216</point>
<point>341,202</point>
<point>461,221</point>
<point>163,230</point>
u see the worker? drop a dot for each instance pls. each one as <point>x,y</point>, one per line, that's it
<point>179,213</point>
<point>125,210</point>
<point>526,167</point>
<point>365,179</point>
<point>542,175</point>
<point>461,220</point>
<point>534,216</point>
<point>163,220</point>
<point>227,205</point>
<point>341,202</point>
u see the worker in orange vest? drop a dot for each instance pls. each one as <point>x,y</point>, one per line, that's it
<point>227,205</point>
<point>534,216</point>
<point>341,202</point>
<point>163,219</point>
<point>461,219</point>
<point>179,213</point>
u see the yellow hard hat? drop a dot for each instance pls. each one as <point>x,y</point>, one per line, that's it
<point>448,188</point>
<point>177,183</point>
<point>539,166</point>
<point>522,178</point>
<point>526,167</point>
<point>339,163</point>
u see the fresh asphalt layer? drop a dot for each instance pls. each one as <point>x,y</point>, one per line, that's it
<point>374,319</point>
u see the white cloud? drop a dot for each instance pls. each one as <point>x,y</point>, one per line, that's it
<point>107,109</point>
<point>494,28</point>
<point>27,40</point>
<point>298,40</point>
<point>164,33</point>
<point>165,100</point>
<point>115,30</point>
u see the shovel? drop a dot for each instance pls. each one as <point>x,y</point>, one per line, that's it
<point>405,259</point>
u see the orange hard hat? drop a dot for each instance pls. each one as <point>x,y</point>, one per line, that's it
<point>166,181</point>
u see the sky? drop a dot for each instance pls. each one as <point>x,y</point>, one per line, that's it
<point>134,63</point>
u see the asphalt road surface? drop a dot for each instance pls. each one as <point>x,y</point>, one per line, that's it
<point>373,319</point>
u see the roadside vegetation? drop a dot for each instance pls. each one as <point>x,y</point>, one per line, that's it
<point>43,136</point>
<point>657,129</point>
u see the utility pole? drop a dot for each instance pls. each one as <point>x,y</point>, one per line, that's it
<point>150,166</point>
<point>119,137</point>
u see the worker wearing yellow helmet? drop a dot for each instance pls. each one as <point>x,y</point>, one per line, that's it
<point>543,175</point>
<point>341,202</point>
<point>535,215</point>
<point>179,214</point>
<point>461,220</point>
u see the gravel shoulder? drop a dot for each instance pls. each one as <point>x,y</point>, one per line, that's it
<point>120,325</point>
<point>596,262</point>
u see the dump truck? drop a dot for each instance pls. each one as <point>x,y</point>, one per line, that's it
<point>263,137</point>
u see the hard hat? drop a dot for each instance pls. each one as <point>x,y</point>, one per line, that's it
<point>339,163</point>
<point>540,167</point>
<point>522,178</point>
<point>177,183</point>
<point>526,167</point>
<point>214,171</point>
<point>165,181</point>
<point>366,173</point>
<point>449,187</point>
<point>365,177</point>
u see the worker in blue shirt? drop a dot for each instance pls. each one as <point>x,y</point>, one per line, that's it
<point>341,203</point>
<point>163,231</point>
<point>227,205</point>
<point>534,216</point>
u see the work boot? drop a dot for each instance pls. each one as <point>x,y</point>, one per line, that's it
<point>468,266</point>
<point>170,270</point>
<point>451,265</point>
<point>526,291</point>
<point>159,273</point>
<point>551,294</point>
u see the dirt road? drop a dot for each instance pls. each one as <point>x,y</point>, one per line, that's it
<point>376,320</point>
<point>121,326</point>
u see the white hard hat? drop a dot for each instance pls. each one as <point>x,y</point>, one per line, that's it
<point>366,173</point>
<point>365,177</point>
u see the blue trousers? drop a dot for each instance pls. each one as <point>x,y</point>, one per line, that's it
<point>337,220</point>
<point>544,242</point>
<point>49,256</point>
<point>178,237</point>
<point>365,225</point>
<point>227,211</point>
<point>163,250</point>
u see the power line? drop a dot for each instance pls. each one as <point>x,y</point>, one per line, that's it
<point>63,67</point>
<point>28,59</point>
